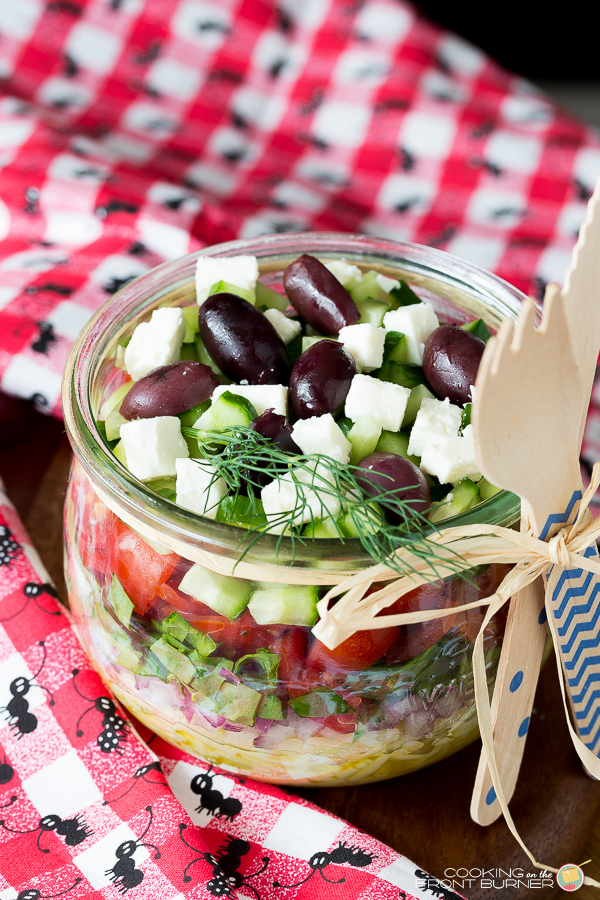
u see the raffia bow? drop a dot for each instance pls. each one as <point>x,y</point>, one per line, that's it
<point>462,548</point>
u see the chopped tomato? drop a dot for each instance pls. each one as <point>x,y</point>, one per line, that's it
<point>469,622</point>
<point>139,568</point>
<point>415,639</point>
<point>359,651</point>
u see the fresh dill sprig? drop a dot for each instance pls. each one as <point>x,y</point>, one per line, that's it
<point>323,487</point>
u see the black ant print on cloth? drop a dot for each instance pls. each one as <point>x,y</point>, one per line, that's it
<point>352,855</point>
<point>212,800</point>
<point>20,719</point>
<point>225,865</point>
<point>140,774</point>
<point>33,591</point>
<point>74,830</point>
<point>35,894</point>
<point>124,874</point>
<point>8,546</point>
<point>114,727</point>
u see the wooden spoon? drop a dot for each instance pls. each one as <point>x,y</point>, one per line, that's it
<point>525,629</point>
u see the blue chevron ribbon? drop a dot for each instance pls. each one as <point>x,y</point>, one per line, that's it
<point>575,605</point>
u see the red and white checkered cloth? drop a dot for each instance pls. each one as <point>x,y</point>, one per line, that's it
<point>133,131</point>
<point>88,817</point>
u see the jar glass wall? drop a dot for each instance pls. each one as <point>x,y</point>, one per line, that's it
<point>268,701</point>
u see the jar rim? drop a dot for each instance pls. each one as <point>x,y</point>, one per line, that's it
<point>444,273</point>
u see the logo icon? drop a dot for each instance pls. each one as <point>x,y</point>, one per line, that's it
<point>569,877</point>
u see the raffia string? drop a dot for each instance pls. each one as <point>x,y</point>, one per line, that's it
<point>475,545</point>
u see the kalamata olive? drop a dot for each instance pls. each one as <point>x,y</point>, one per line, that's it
<point>384,472</point>
<point>320,379</point>
<point>242,341</point>
<point>450,362</point>
<point>169,390</point>
<point>318,296</point>
<point>273,426</point>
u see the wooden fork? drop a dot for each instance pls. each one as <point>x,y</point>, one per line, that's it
<point>552,371</point>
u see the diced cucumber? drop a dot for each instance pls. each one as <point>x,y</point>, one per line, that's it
<point>241,511</point>
<point>267,298</point>
<point>119,452</point>
<point>227,595</point>
<point>487,489</point>
<point>403,296</point>
<point>225,287</point>
<point>112,424</point>
<point>120,358</point>
<point>463,496</point>
<point>406,375</point>
<point>363,436</point>
<point>188,351</point>
<point>308,341</point>
<point>360,519</point>
<point>114,401</point>
<point>192,325</point>
<point>465,418</point>
<point>164,486</point>
<point>285,605</point>
<point>120,602</point>
<point>345,424</point>
<point>365,289</point>
<point>228,411</point>
<point>395,442</point>
<point>322,528</point>
<point>417,395</point>
<point>395,348</point>
<point>373,311</point>
<point>204,356</point>
<point>478,328</point>
<point>192,415</point>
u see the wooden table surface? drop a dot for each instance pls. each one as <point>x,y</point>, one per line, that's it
<point>425,815</point>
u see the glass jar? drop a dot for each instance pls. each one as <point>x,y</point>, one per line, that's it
<point>268,701</point>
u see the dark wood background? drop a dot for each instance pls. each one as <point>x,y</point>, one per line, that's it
<point>425,815</point>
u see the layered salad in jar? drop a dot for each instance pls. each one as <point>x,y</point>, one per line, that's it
<point>330,407</point>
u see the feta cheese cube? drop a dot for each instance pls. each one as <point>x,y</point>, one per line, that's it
<point>286,328</point>
<point>365,342</point>
<point>242,271</point>
<point>152,446</point>
<point>197,488</point>
<point>322,434</point>
<point>452,458</point>
<point>435,419</point>
<point>155,343</point>
<point>386,284</point>
<point>416,322</point>
<point>383,400</point>
<point>344,271</point>
<point>299,491</point>
<point>261,396</point>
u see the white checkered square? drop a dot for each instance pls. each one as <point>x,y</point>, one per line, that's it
<point>170,77</point>
<point>93,48</point>
<point>460,57</point>
<point>68,318</point>
<point>342,124</point>
<point>94,862</point>
<point>514,152</point>
<point>24,377</point>
<point>63,787</point>
<point>300,831</point>
<point>495,207</point>
<point>201,22</point>
<point>383,22</point>
<point>18,20</point>
<point>405,193</point>
<point>427,135</point>
<point>483,250</point>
